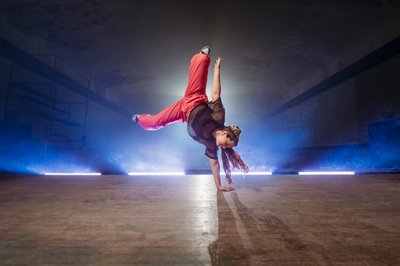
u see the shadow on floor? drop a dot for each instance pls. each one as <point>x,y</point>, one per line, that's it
<point>245,238</point>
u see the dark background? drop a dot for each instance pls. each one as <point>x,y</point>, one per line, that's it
<point>133,57</point>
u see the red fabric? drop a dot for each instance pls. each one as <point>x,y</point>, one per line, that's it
<point>195,94</point>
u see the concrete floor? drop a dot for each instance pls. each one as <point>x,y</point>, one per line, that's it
<point>269,220</point>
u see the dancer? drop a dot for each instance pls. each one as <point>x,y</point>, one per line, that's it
<point>205,120</point>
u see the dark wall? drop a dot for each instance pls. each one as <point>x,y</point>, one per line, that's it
<point>5,67</point>
<point>378,95</point>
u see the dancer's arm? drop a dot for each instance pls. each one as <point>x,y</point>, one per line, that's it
<point>216,88</point>
<point>215,171</point>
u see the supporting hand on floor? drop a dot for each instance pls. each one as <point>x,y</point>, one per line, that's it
<point>228,188</point>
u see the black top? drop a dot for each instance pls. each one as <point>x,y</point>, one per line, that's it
<point>203,120</point>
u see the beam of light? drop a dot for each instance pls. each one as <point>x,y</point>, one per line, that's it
<point>327,173</point>
<point>204,218</point>
<point>156,173</point>
<point>249,173</point>
<point>72,173</point>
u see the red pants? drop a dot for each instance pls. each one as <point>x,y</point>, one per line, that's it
<point>195,94</point>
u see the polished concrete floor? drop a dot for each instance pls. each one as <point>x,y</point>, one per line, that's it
<point>268,220</point>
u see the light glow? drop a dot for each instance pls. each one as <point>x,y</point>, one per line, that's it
<point>327,173</point>
<point>156,173</point>
<point>72,173</point>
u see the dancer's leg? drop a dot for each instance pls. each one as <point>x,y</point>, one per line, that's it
<point>198,73</point>
<point>195,93</point>
<point>167,116</point>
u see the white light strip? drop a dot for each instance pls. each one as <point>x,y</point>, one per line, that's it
<point>183,173</point>
<point>72,173</point>
<point>157,173</point>
<point>259,173</point>
<point>249,173</point>
<point>326,173</point>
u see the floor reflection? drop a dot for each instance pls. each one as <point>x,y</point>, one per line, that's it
<point>247,238</point>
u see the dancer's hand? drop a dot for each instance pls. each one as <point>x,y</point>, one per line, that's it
<point>228,188</point>
<point>217,64</point>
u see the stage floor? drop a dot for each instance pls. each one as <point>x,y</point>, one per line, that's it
<point>142,220</point>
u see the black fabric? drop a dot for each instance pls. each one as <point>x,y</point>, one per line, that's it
<point>203,120</point>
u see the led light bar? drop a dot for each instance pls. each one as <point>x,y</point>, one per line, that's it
<point>327,173</point>
<point>72,173</point>
<point>157,173</point>
<point>259,173</point>
<point>249,173</point>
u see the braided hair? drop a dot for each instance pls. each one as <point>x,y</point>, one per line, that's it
<point>229,156</point>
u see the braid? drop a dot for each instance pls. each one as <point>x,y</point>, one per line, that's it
<point>229,156</point>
